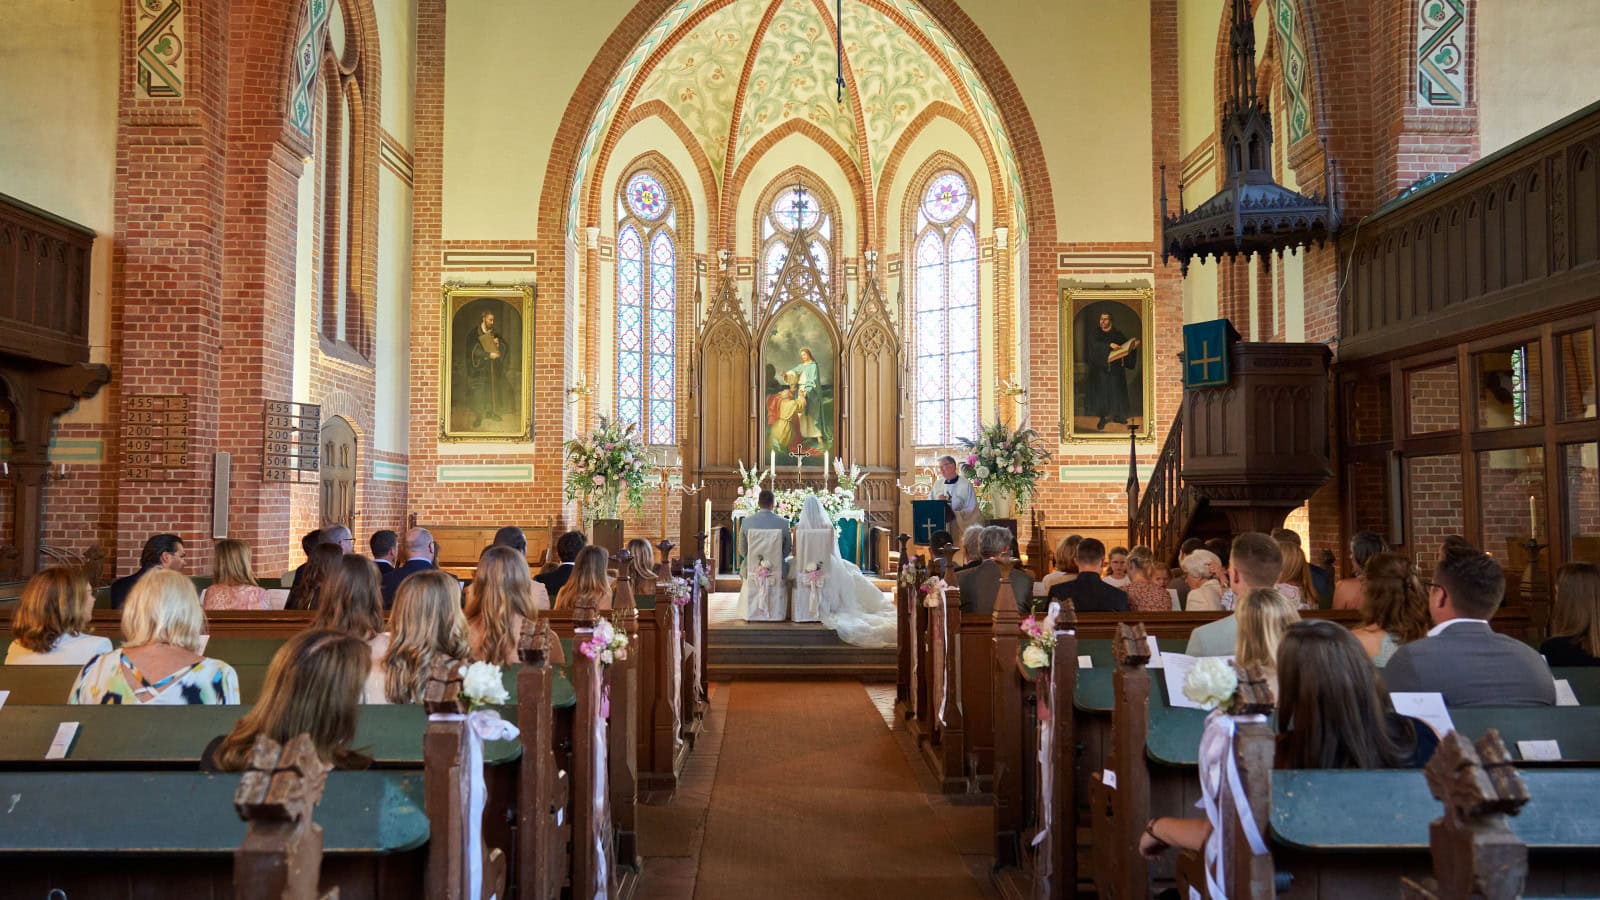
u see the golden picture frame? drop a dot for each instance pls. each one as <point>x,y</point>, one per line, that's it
<point>486,362</point>
<point>1105,400</point>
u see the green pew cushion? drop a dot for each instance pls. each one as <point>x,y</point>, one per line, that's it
<point>64,813</point>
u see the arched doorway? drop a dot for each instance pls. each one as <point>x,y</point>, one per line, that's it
<point>338,504</point>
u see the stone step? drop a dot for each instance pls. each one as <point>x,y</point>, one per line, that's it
<point>799,656</point>
<point>777,636</point>
<point>792,671</point>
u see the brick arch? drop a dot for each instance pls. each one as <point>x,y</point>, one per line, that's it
<point>702,163</point>
<point>941,110</point>
<point>735,185</point>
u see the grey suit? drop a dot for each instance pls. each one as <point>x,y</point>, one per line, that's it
<point>767,520</point>
<point>1471,665</point>
<point>980,586</point>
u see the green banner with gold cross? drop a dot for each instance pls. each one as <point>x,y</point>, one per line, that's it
<point>1205,353</point>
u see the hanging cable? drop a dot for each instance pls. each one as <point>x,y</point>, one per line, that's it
<point>838,40</point>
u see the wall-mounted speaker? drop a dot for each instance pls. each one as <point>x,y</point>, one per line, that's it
<point>221,482</point>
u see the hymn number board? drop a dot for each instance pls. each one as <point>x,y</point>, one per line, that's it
<point>155,430</point>
<point>289,449</point>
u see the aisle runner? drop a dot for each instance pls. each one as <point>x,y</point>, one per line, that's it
<point>813,798</point>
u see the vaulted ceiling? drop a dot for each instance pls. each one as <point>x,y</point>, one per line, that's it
<point>735,71</point>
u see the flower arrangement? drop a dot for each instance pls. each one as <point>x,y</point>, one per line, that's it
<point>482,685</point>
<point>839,501</point>
<point>763,569</point>
<point>812,576</point>
<point>932,590</point>
<point>1041,634</point>
<point>1211,682</point>
<point>604,465</point>
<point>1002,461</point>
<point>609,643</point>
<point>679,590</point>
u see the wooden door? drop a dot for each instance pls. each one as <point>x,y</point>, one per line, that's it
<point>338,473</point>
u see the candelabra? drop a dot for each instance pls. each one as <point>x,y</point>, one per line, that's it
<point>579,390</point>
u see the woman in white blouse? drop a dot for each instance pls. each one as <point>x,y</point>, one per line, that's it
<point>1201,569</point>
<point>52,622</point>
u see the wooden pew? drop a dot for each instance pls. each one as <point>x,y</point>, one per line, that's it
<point>461,545</point>
<point>280,857</point>
<point>541,785</point>
<point>695,615</point>
<point>1474,850</point>
<point>904,596</point>
<point>593,845</point>
<point>622,731</point>
<point>1117,805</point>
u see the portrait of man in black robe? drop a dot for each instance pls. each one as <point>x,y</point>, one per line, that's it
<point>1108,355</point>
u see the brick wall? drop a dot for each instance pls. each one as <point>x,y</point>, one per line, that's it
<point>1434,491</point>
<point>1435,399</point>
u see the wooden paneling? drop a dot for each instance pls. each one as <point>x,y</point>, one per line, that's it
<point>44,285</point>
<point>872,424</point>
<point>725,376</point>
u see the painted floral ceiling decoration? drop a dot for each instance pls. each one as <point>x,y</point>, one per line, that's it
<point>735,71</point>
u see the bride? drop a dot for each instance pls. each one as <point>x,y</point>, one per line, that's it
<point>850,604</point>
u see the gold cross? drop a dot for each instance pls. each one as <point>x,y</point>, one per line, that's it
<point>927,525</point>
<point>1205,361</point>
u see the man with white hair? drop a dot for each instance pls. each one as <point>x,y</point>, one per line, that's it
<point>421,552</point>
<point>980,587</point>
<point>957,491</point>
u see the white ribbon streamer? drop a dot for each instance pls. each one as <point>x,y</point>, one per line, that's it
<point>675,693</point>
<point>602,830</point>
<point>1218,762</point>
<point>482,725</point>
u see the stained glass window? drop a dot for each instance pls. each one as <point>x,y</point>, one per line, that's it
<point>945,313</point>
<point>795,207</point>
<point>647,311</point>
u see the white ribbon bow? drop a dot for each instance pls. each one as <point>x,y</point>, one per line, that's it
<point>1217,761</point>
<point>482,725</point>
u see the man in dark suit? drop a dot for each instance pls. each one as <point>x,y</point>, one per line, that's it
<point>980,585</point>
<point>1462,657</point>
<point>567,548</point>
<point>161,551</point>
<point>385,546</point>
<point>421,552</point>
<point>1087,593</point>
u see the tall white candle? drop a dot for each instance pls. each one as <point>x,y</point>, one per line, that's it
<point>772,464</point>
<point>708,520</point>
<point>1533,519</point>
<point>826,458</point>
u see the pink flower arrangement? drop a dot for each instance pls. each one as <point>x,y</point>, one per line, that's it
<point>678,590</point>
<point>813,576</point>
<point>609,643</point>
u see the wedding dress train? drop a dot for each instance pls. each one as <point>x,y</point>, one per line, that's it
<point>847,601</point>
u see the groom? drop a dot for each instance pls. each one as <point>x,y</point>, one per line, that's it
<point>765,519</point>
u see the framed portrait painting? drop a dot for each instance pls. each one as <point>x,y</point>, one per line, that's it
<point>800,367</point>
<point>1107,372</point>
<point>486,363</point>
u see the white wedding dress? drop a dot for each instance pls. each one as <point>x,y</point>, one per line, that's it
<point>849,603</point>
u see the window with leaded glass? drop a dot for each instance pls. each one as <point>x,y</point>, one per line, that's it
<point>795,207</point>
<point>647,309</point>
<point>944,303</point>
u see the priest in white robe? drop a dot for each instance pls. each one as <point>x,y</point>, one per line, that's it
<point>955,489</point>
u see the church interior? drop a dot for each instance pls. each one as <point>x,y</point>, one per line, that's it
<point>800,448</point>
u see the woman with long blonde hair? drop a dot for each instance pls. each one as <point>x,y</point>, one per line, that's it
<point>588,580</point>
<point>425,626</point>
<point>642,572</point>
<point>233,584</point>
<point>1264,615</point>
<point>51,625</point>
<point>1294,579</point>
<point>313,686</point>
<point>499,605</point>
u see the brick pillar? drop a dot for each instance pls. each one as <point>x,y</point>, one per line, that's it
<point>1167,147</point>
<point>166,312</point>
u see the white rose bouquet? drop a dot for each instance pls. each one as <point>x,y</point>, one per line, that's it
<point>482,685</point>
<point>1041,634</point>
<point>1211,682</point>
<point>609,643</point>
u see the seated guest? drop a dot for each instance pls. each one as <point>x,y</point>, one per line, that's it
<point>1220,548</point>
<point>161,551</point>
<point>1066,563</point>
<point>1321,577</point>
<point>1575,627</point>
<point>51,624</point>
<point>1333,710</point>
<point>1200,570</point>
<point>971,548</point>
<point>308,542</point>
<point>980,585</point>
<point>1087,592</point>
<point>1462,657</point>
<point>1394,608</point>
<point>642,569</point>
<point>1256,562</point>
<point>421,552</point>
<point>1117,569</point>
<point>1144,595</point>
<point>512,536</point>
<point>1262,617</point>
<point>339,536</point>
<point>352,602</point>
<point>385,546</point>
<point>233,585</point>
<point>1363,547</point>
<point>499,604</point>
<point>1453,543</point>
<point>568,546</point>
<point>427,625</point>
<point>307,589</point>
<point>160,662</point>
<point>313,686</point>
<point>588,580</point>
<point>1294,581</point>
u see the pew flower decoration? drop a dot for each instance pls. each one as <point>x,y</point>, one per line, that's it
<point>763,568</point>
<point>605,465</point>
<point>813,576</point>
<point>1041,635</point>
<point>482,685</point>
<point>1211,682</point>
<point>933,591</point>
<point>609,643</point>
<point>678,589</point>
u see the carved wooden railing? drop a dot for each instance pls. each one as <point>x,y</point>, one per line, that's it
<point>1167,504</point>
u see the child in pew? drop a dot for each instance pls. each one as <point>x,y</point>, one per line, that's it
<point>351,601</point>
<point>1333,713</point>
<point>1144,593</point>
<point>233,585</point>
<point>426,625</point>
<point>1575,631</point>
<point>51,625</point>
<point>313,687</point>
<point>500,603</point>
<point>1394,610</point>
<point>160,661</point>
<point>589,580</point>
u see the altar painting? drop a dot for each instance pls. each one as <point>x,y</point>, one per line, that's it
<point>799,364</point>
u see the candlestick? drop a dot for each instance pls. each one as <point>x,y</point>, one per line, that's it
<point>1533,518</point>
